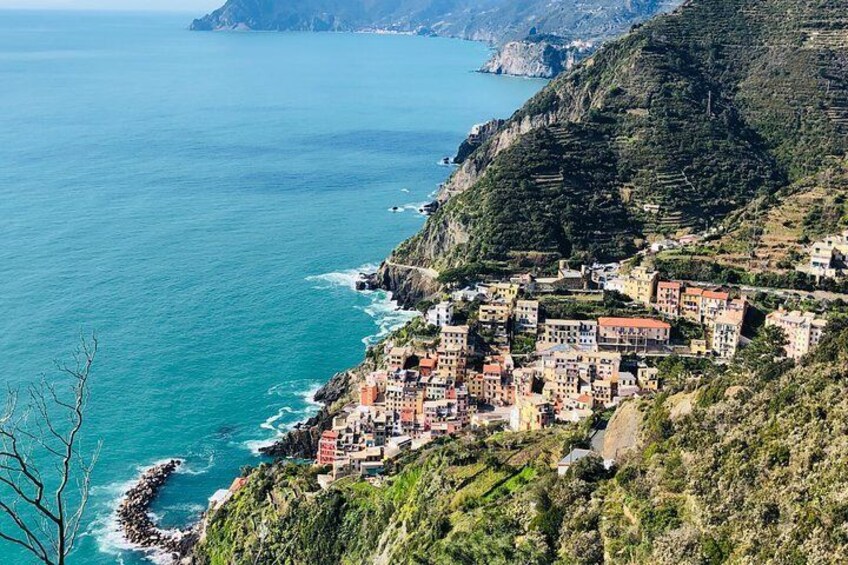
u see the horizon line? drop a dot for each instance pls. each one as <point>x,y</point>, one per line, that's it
<point>106,10</point>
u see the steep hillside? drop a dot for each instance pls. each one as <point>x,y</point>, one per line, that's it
<point>542,37</point>
<point>752,471</point>
<point>666,130</point>
<point>774,233</point>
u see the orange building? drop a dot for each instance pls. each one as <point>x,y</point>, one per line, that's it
<point>426,366</point>
<point>668,298</point>
<point>368,393</point>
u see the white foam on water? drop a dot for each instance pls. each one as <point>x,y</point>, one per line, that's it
<point>308,396</point>
<point>255,446</point>
<point>270,424</point>
<point>411,207</point>
<point>186,469</point>
<point>383,310</point>
<point>347,279</point>
<point>387,316</point>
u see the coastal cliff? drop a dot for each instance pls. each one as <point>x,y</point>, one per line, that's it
<point>657,134</point>
<point>480,134</point>
<point>539,59</point>
<point>534,38</point>
<point>302,441</point>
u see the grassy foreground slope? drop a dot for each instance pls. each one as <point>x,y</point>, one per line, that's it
<point>753,472</point>
<point>686,119</point>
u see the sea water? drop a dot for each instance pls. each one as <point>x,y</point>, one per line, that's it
<point>204,202</point>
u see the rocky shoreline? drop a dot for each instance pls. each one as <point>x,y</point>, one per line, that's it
<point>302,441</point>
<point>136,523</point>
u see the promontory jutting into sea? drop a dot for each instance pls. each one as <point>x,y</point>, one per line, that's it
<point>469,281</point>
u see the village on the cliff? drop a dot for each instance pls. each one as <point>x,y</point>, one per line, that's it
<point>490,356</point>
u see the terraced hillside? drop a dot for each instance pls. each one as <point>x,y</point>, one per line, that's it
<point>774,233</point>
<point>669,129</point>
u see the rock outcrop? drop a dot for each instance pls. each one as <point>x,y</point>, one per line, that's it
<point>408,284</point>
<point>479,134</point>
<point>622,433</point>
<point>538,59</point>
<point>137,524</point>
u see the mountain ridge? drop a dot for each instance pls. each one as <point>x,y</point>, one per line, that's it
<point>535,38</point>
<point>666,130</point>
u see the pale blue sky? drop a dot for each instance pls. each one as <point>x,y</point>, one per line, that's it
<point>197,6</point>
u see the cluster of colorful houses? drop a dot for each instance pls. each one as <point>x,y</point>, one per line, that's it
<point>468,377</point>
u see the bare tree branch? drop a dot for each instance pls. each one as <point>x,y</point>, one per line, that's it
<point>40,439</point>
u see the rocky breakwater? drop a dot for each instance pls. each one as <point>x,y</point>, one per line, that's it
<point>136,522</point>
<point>302,441</point>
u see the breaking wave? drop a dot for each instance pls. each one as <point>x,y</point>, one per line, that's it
<point>277,430</point>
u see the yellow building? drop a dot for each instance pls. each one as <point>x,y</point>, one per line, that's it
<point>452,363</point>
<point>531,413</point>
<point>454,337</point>
<point>494,314</point>
<point>507,292</point>
<point>640,285</point>
<point>567,373</point>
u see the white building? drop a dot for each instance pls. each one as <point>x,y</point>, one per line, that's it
<point>441,314</point>
<point>526,316</point>
<point>579,333</point>
<point>726,333</point>
<point>828,257</point>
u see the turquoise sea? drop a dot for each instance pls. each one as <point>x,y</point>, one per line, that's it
<point>203,201</point>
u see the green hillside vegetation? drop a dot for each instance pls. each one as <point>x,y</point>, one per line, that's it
<point>669,129</point>
<point>773,233</point>
<point>753,474</point>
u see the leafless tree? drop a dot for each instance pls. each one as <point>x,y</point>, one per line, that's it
<point>44,477</point>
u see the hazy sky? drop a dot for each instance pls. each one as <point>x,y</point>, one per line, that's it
<point>170,5</point>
